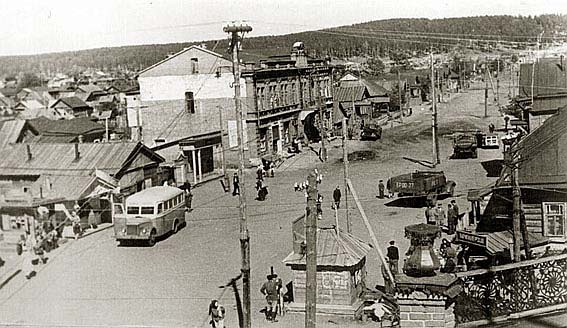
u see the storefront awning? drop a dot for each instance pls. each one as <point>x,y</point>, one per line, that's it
<point>303,114</point>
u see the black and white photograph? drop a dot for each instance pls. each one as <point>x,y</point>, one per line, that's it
<point>283,163</point>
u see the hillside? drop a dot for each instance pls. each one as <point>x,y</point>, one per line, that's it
<point>371,38</point>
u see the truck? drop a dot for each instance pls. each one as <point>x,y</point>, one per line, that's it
<point>465,145</point>
<point>421,183</point>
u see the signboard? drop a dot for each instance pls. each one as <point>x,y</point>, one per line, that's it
<point>471,238</point>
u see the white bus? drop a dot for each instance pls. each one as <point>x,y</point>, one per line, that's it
<point>149,214</point>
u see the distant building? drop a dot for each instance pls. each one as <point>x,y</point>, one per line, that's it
<point>70,107</point>
<point>66,131</point>
<point>550,88</point>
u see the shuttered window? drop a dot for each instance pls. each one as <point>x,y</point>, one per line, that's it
<point>554,219</point>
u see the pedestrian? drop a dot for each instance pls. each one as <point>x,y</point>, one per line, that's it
<point>262,190</point>
<point>450,219</point>
<point>271,170</point>
<point>217,314</point>
<point>449,254</point>
<point>393,257</point>
<point>28,258</point>
<point>439,215</point>
<point>235,184</point>
<point>260,173</point>
<point>76,223</point>
<point>188,196</point>
<point>491,128</point>
<point>388,285</point>
<point>296,187</point>
<point>319,207</point>
<point>380,189</point>
<point>430,214</point>
<point>337,197</point>
<point>270,291</point>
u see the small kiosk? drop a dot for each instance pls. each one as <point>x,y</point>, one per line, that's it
<point>341,270</point>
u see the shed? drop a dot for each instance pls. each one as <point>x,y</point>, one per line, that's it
<point>341,270</point>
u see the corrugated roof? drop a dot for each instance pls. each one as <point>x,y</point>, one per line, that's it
<point>351,93</point>
<point>338,250</point>
<point>550,77</point>
<point>10,131</point>
<point>47,158</point>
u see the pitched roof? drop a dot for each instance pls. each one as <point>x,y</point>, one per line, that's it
<point>88,88</point>
<point>550,77</point>
<point>351,93</point>
<point>338,250</point>
<point>73,102</point>
<point>179,53</point>
<point>76,126</point>
<point>57,158</point>
<point>10,131</point>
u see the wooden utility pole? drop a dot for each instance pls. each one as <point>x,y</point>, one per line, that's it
<point>486,90</point>
<point>322,130</point>
<point>345,167</point>
<point>234,30</point>
<point>311,256</point>
<point>223,155</point>
<point>516,205</point>
<point>434,115</point>
<point>371,232</point>
<point>498,83</point>
<point>400,98</point>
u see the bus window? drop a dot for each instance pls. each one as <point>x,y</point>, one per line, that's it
<point>174,201</point>
<point>160,208</point>
<point>133,210</point>
<point>147,210</point>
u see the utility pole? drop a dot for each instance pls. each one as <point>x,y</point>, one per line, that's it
<point>498,83</point>
<point>138,123</point>
<point>486,90</point>
<point>322,130</point>
<point>234,30</point>
<point>311,256</point>
<point>517,209</point>
<point>434,115</point>
<point>400,98</point>
<point>345,167</point>
<point>223,155</point>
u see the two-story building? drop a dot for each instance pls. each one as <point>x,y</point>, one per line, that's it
<point>288,97</point>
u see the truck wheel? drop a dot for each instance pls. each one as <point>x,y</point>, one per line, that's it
<point>475,154</point>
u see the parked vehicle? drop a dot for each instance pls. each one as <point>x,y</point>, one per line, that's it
<point>421,183</point>
<point>371,132</point>
<point>465,145</point>
<point>490,141</point>
<point>149,214</point>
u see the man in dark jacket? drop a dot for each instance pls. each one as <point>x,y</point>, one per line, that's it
<point>337,197</point>
<point>270,289</point>
<point>393,257</point>
<point>235,184</point>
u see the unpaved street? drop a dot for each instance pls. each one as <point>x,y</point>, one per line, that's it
<point>95,283</point>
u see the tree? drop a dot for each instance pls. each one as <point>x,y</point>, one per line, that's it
<point>29,80</point>
<point>375,65</point>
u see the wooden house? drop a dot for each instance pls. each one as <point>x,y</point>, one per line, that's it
<point>341,270</point>
<point>542,176</point>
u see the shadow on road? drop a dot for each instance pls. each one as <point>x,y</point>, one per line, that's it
<point>414,201</point>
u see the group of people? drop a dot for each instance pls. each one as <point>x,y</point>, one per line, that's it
<point>261,187</point>
<point>32,247</point>
<point>272,290</point>
<point>436,215</point>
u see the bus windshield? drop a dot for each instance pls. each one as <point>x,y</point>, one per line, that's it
<point>147,210</point>
<point>133,210</point>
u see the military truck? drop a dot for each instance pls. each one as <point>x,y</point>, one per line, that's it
<point>465,145</point>
<point>421,183</point>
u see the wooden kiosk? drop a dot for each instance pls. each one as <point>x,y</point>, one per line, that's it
<point>341,270</point>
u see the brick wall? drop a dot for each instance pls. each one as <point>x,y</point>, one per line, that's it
<point>420,310</point>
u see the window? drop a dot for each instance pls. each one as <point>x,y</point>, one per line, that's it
<point>118,209</point>
<point>133,210</point>
<point>194,66</point>
<point>160,208</point>
<point>147,210</point>
<point>166,206</point>
<point>189,102</point>
<point>554,219</point>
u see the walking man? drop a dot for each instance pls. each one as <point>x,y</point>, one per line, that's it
<point>235,184</point>
<point>393,257</point>
<point>270,290</point>
<point>337,197</point>
<point>381,189</point>
<point>440,215</point>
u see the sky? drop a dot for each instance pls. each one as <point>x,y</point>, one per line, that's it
<point>40,26</point>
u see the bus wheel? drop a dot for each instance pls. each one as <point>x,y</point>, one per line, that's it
<point>152,239</point>
<point>175,226</point>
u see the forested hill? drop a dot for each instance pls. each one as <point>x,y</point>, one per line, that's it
<point>371,38</point>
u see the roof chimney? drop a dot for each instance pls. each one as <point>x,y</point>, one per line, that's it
<point>77,153</point>
<point>298,54</point>
<point>28,148</point>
